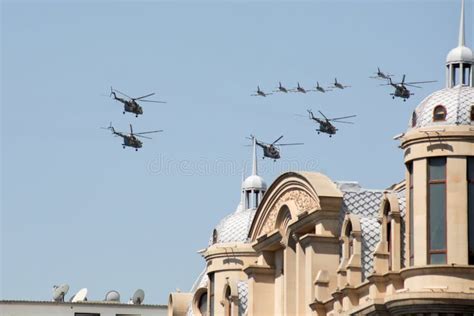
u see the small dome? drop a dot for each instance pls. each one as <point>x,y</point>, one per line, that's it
<point>254,182</point>
<point>460,53</point>
<point>233,228</point>
<point>450,106</point>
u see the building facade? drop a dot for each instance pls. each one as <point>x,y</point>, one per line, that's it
<point>308,245</point>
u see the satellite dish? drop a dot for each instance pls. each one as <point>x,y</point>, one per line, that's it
<point>112,296</point>
<point>138,297</point>
<point>80,296</point>
<point>59,292</point>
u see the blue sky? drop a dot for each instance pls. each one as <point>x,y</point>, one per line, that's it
<point>78,208</point>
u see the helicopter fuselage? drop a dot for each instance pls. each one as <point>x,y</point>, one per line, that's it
<point>401,92</point>
<point>131,141</point>
<point>325,127</point>
<point>132,107</point>
<point>271,151</point>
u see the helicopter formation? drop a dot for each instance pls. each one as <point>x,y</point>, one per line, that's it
<point>271,150</point>
<point>300,89</point>
<point>132,106</point>
<point>401,90</point>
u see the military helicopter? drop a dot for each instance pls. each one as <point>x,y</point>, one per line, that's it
<point>401,90</point>
<point>131,139</point>
<point>380,75</point>
<point>339,85</point>
<point>299,89</point>
<point>272,150</point>
<point>321,89</point>
<point>260,93</point>
<point>325,125</point>
<point>281,88</point>
<point>132,105</point>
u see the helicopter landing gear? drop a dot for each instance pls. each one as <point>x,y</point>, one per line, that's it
<point>123,112</point>
<point>136,149</point>
<point>404,100</point>
<point>123,146</point>
<point>136,115</point>
<point>393,97</point>
<point>330,135</point>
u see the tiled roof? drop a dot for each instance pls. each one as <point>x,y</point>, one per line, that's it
<point>370,227</point>
<point>457,101</point>
<point>365,204</point>
<point>234,227</point>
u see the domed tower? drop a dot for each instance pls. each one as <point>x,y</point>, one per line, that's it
<point>439,155</point>
<point>254,186</point>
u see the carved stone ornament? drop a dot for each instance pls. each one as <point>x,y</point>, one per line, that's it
<point>303,201</point>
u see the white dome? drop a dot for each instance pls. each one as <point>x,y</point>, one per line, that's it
<point>460,53</point>
<point>457,101</point>
<point>233,228</point>
<point>254,182</point>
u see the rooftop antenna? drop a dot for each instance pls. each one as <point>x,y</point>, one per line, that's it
<point>59,292</point>
<point>112,296</point>
<point>138,297</point>
<point>80,296</point>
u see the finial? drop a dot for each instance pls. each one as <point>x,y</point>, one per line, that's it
<point>254,165</point>
<point>461,26</point>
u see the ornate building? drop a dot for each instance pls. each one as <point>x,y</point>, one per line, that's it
<point>308,245</point>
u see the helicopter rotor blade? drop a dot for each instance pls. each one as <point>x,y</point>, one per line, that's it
<point>142,136</point>
<point>417,82</point>
<point>150,132</point>
<point>145,96</point>
<point>289,144</point>
<point>153,101</point>
<point>131,129</point>
<point>324,115</point>
<point>122,93</point>
<point>412,85</point>
<point>345,122</point>
<point>340,118</point>
<point>277,139</point>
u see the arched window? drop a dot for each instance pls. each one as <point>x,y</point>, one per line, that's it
<point>439,113</point>
<point>228,302</point>
<point>388,237</point>
<point>472,113</point>
<point>214,236</point>
<point>202,304</point>
<point>413,119</point>
<point>350,238</point>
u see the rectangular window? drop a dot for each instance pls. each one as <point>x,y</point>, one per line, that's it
<point>470,213</point>
<point>211,293</point>
<point>437,210</point>
<point>411,213</point>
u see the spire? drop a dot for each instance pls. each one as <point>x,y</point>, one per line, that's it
<point>254,165</point>
<point>461,26</point>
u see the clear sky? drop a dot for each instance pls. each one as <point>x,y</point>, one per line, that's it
<point>79,209</point>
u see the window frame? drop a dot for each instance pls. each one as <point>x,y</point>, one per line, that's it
<point>430,251</point>
<point>411,240</point>
<point>470,210</point>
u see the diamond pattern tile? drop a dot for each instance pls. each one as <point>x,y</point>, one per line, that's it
<point>370,227</point>
<point>234,227</point>
<point>243,289</point>
<point>457,101</point>
<point>402,205</point>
